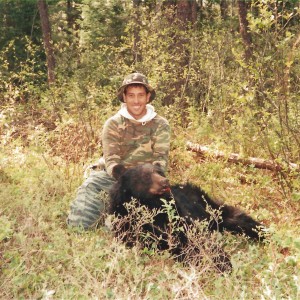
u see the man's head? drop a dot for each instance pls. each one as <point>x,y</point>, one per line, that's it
<point>136,98</point>
<point>135,79</point>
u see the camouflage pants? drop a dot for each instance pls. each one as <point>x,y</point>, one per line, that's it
<point>91,200</point>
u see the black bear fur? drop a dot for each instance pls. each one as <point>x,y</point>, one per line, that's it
<point>148,185</point>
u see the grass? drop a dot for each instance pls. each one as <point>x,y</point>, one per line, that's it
<point>40,258</point>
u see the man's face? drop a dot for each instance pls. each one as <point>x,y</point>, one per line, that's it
<point>136,99</point>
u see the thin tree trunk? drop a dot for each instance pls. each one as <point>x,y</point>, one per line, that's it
<point>46,29</point>
<point>136,36</point>
<point>285,92</point>
<point>246,36</point>
<point>185,17</point>
<point>70,16</point>
<point>224,9</point>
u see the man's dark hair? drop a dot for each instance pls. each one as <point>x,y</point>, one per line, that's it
<point>136,85</point>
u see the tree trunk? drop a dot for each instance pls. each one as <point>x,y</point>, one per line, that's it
<point>185,16</point>
<point>46,29</point>
<point>235,158</point>
<point>137,57</point>
<point>224,9</point>
<point>187,11</point>
<point>246,36</point>
<point>72,16</point>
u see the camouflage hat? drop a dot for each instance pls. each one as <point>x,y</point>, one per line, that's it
<point>133,79</point>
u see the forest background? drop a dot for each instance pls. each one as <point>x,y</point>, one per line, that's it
<point>226,75</point>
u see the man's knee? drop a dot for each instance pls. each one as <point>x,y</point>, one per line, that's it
<point>88,208</point>
<point>91,200</point>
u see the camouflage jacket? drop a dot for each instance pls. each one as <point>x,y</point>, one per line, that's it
<point>131,143</point>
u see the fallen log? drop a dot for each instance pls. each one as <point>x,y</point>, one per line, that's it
<point>237,159</point>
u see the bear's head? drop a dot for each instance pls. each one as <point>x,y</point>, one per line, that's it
<point>141,182</point>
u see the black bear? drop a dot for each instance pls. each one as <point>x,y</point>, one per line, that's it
<point>148,185</point>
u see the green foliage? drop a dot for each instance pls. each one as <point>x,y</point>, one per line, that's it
<point>18,18</point>
<point>22,66</point>
<point>21,79</point>
<point>6,230</point>
<point>102,23</point>
<point>210,95</point>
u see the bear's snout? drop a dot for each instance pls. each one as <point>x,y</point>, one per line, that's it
<point>164,182</point>
<point>159,184</point>
<point>165,186</point>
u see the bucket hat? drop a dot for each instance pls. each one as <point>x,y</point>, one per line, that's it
<point>135,78</point>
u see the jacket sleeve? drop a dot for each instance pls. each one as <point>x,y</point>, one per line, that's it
<point>161,144</point>
<point>111,145</point>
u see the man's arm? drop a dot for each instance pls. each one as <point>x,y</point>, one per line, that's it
<point>161,145</point>
<point>111,145</point>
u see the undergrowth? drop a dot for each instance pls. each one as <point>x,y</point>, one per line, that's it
<point>42,259</point>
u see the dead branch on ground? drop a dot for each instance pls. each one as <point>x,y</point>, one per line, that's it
<point>237,159</point>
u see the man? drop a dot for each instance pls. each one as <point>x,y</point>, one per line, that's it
<point>135,135</point>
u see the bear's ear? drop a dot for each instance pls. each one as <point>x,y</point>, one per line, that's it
<point>118,170</point>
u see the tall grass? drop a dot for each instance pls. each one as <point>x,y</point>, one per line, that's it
<point>42,259</point>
